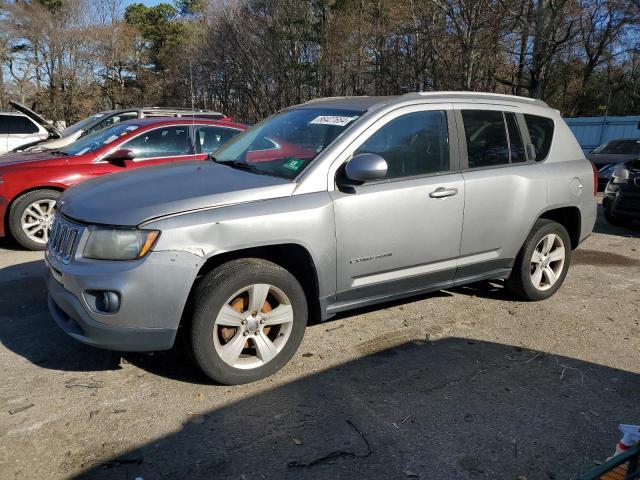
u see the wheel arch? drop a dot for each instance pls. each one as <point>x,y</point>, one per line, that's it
<point>291,256</point>
<point>570,218</point>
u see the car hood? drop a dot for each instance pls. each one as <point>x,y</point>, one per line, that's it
<point>55,143</point>
<point>134,197</point>
<point>602,159</point>
<point>39,119</point>
<point>25,157</point>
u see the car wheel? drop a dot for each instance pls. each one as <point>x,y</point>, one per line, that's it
<point>30,218</point>
<point>249,317</point>
<point>542,263</point>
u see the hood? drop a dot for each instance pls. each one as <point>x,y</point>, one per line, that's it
<point>133,197</point>
<point>35,117</point>
<point>602,159</point>
<point>55,143</point>
<point>26,157</point>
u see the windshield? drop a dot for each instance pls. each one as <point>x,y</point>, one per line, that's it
<point>620,147</point>
<point>96,140</point>
<point>285,143</point>
<point>83,124</point>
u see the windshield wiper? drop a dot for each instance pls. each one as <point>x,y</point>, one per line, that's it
<point>239,164</point>
<point>57,152</point>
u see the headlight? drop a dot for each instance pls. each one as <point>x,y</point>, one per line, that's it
<point>620,174</point>
<point>119,243</point>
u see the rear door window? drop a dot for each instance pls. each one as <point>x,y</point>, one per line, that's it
<point>487,143</point>
<point>21,125</point>
<point>210,138</point>
<point>541,133</point>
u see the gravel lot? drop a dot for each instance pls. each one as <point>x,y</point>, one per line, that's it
<point>459,384</point>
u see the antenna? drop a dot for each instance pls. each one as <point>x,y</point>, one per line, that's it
<point>193,111</point>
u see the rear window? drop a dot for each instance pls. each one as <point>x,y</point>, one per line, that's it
<point>18,124</point>
<point>541,133</point>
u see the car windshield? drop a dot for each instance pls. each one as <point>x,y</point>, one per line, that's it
<point>286,143</point>
<point>96,140</point>
<point>620,147</point>
<point>84,124</point>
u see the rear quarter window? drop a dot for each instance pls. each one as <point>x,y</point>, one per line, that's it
<point>541,133</point>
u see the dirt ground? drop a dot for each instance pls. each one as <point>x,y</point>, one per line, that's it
<point>461,384</point>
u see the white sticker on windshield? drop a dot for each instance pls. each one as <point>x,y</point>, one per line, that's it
<point>110,139</point>
<point>84,150</point>
<point>331,120</point>
<point>131,127</point>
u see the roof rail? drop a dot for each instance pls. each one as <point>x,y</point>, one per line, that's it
<point>513,98</point>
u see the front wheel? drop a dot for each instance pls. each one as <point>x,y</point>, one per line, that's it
<point>30,218</point>
<point>542,263</point>
<point>249,319</point>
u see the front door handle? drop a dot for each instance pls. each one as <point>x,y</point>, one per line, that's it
<point>442,192</point>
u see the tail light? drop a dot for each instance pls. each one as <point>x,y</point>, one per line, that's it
<point>595,179</point>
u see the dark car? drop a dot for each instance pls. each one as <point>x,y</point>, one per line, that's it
<point>608,155</point>
<point>622,195</point>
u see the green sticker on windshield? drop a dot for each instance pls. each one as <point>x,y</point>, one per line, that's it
<point>293,164</point>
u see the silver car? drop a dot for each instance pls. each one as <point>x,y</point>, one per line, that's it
<point>327,206</point>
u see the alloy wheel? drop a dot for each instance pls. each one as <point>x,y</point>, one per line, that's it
<point>36,220</point>
<point>547,261</point>
<point>253,326</point>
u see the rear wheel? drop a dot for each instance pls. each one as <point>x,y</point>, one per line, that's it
<point>30,218</point>
<point>542,263</point>
<point>249,319</point>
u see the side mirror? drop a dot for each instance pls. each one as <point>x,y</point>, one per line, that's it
<point>119,156</point>
<point>366,167</point>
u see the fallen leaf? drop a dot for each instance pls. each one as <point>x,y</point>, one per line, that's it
<point>199,396</point>
<point>297,441</point>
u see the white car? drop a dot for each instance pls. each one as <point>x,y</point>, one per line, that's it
<point>17,129</point>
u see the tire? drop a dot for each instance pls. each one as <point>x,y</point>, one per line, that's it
<point>229,353</point>
<point>523,280</point>
<point>23,212</point>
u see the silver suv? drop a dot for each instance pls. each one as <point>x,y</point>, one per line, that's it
<point>323,207</point>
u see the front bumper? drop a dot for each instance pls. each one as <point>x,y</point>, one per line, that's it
<point>70,315</point>
<point>622,201</point>
<point>153,293</point>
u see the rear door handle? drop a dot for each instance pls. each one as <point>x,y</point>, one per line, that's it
<point>442,192</point>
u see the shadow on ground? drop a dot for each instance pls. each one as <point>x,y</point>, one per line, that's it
<point>450,409</point>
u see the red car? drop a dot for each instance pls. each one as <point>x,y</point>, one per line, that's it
<point>30,183</point>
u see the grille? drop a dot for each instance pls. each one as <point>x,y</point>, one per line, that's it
<point>62,240</point>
